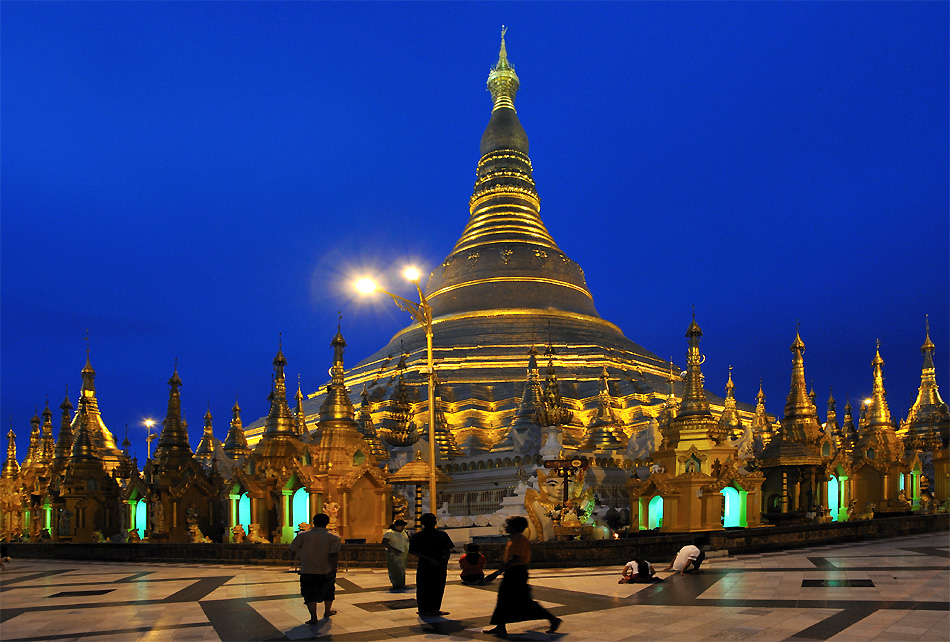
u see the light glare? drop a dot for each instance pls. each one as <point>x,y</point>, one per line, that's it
<point>412,274</point>
<point>366,285</point>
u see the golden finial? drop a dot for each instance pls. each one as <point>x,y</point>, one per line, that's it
<point>502,80</point>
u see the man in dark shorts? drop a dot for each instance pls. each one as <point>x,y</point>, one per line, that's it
<point>319,550</point>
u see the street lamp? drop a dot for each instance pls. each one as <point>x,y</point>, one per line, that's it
<point>151,437</point>
<point>422,313</point>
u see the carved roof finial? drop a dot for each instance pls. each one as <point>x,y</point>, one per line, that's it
<point>503,81</point>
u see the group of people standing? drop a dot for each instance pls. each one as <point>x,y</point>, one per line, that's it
<point>319,550</point>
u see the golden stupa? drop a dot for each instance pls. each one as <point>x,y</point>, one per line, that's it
<point>505,294</point>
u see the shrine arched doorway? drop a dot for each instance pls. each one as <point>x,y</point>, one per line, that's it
<point>655,516</point>
<point>300,507</point>
<point>141,517</point>
<point>731,508</point>
<point>834,494</point>
<point>244,511</point>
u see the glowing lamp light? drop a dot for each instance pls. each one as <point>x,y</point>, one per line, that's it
<point>868,401</point>
<point>366,285</point>
<point>412,274</point>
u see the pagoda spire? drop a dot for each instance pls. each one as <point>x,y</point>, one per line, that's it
<point>929,414</point>
<point>761,425</point>
<point>401,430</point>
<point>337,405</point>
<point>174,436</point>
<point>832,429</point>
<point>104,439</point>
<point>694,396</point>
<point>205,450</point>
<point>502,80</point>
<point>444,439</point>
<point>849,433</point>
<point>11,468</point>
<point>235,445</point>
<point>279,422</point>
<point>364,424</point>
<point>34,453</point>
<point>798,402</point>
<point>730,423</point>
<point>878,414</point>
<point>64,441</point>
<point>300,416</point>
<point>603,429</point>
<point>800,423</point>
<point>506,258</point>
<point>48,445</point>
<point>877,438</point>
<point>551,411</point>
<point>84,446</point>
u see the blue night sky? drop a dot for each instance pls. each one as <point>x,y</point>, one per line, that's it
<point>190,179</point>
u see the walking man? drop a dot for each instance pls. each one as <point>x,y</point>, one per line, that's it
<point>433,548</point>
<point>319,550</point>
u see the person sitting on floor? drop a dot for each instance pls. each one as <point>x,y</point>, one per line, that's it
<point>473,565</point>
<point>639,571</point>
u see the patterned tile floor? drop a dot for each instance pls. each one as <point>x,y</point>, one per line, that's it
<point>888,590</point>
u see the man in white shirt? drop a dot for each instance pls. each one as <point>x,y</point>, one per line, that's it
<point>319,550</point>
<point>689,557</point>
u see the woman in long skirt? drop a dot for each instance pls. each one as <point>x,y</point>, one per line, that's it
<point>514,595</point>
<point>397,552</point>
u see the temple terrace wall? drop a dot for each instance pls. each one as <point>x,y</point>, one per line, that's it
<point>657,547</point>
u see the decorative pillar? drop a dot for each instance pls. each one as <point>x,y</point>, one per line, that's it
<point>418,505</point>
<point>784,491</point>
<point>287,530</point>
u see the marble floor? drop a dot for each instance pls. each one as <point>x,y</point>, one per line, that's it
<point>887,590</point>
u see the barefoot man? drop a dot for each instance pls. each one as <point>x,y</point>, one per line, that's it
<point>319,550</point>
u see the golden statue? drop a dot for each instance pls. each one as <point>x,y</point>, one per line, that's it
<point>546,507</point>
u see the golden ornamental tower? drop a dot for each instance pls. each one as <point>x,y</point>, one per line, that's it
<point>235,445</point>
<point>102,437</point>
<point>300,417</point>
<point>205,450</point>
<point>877,438</point>
<point>34,453</point>
<point>930,414</point>
<point>47,443</point>
<point>604,431</point>
<point>446,448</point>
<point>11,467</point>
<point>173,447</point>
<point>800,423</point>
<point>367,428</point>
<point>279,423</point>
<point>64,441</point>
<point>730,423</point>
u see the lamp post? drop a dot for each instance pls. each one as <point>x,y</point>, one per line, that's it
<point>422,313</point>
<point>151,437</point>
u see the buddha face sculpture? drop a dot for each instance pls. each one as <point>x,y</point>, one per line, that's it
<point>551,487</point>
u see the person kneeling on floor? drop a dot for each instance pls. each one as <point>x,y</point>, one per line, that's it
<point>639,571</point>
<point>689,558</point>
